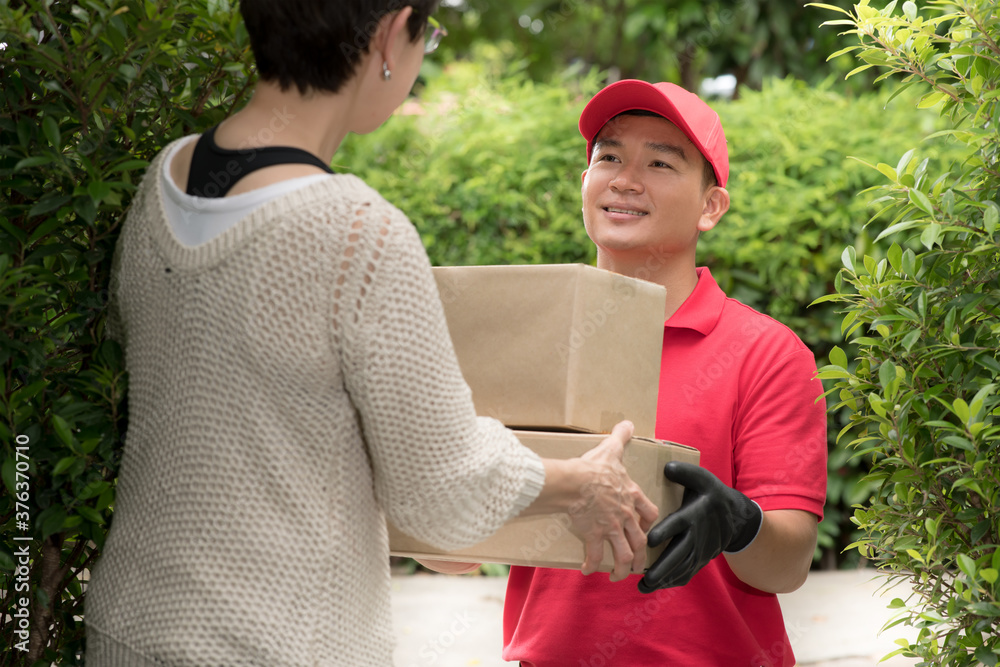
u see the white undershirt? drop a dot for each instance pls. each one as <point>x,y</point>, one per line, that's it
<point>197,220</point>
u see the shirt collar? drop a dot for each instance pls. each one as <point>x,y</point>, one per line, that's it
<point>702,309</point>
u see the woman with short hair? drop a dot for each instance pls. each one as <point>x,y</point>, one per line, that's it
<point>292,382</point>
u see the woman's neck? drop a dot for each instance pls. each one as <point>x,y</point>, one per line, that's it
<point>317,122</point>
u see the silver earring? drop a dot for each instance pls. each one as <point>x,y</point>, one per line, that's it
<point>386,74</point>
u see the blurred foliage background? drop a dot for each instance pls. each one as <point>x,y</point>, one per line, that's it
<point>683,41</point>
<point>485,158</point>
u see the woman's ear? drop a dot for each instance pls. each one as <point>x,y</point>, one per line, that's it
<point>716,205</point>
<point>391,29</point>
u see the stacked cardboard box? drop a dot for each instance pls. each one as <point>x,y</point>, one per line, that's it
<point>561,353</point>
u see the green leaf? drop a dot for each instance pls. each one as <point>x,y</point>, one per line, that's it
<point>129,165</point>
<point>841,52</point>
<point>29,162</point>
<point>64,465</point>
<point>44,229</point>
<point>910,339</point>
<point>986,361</point>
<point>985,608</point>
<point>48,203</point>
<point>895,256</point>
<point>856,70</point>
<point>7,472</point>
<point>887,375</point>
<point>930,235</point>
<point>920,200</point>
<point>931,99</point>
<point>94,488</point>
<point>825,298</point>
<point>961,410</point>
<point>830,7</point>
<point>961,443</point>
<point>98,191</point>
<point>979,530</point>
<point>877,404</point>
<point>989,574</point>
<point>90,514</point>
<point>985,655</point>
<point>887,171</point>
<point>51,129</point>
<point>62,430</point>
<point>838,357</point>
<point>86,209</point>
<point>51,520</point>
<point>128,71</point>
<point>967,565</point>
<point>848,257</point>
<point>991,215</point>
<point>904,161</point>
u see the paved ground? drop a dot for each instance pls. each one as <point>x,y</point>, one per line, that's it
<point>833,621</point>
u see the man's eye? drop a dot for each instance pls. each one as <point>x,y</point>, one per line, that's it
<point>657,163</point>
<point>607,158</point>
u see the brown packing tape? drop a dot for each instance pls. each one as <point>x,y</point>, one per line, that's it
<point>545,540</point>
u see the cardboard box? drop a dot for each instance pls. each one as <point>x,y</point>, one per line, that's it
<point>557,347</point>
<point>545,540</point>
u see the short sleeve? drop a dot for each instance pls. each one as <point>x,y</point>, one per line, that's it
<point>780,453</point>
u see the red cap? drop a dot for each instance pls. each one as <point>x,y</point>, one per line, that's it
<point>685,110</point>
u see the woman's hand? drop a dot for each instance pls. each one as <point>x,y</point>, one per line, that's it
<point>603,504</point>
<point>447,566</point>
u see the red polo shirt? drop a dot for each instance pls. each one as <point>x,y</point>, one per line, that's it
<point>741,388</point>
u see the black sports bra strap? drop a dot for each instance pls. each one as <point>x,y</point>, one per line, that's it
<point>214,170</point>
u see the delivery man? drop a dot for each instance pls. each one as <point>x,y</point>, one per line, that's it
<point>734,383</point>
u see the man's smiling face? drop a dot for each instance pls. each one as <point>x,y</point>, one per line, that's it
<point>644,190</point>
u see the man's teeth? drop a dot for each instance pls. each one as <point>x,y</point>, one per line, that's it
<point>612,209</point>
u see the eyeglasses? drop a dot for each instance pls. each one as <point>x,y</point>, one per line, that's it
<point>433,35</point>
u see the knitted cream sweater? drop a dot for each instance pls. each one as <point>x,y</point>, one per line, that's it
<point>291,383</point>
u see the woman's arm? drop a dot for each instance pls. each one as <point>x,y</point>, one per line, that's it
<point>603,504</point>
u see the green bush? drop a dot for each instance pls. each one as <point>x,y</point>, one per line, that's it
<point>91,91</point>
<point>490,174</point>
<point>925,318</point>
<point>795,206</point>
<point>486,163</point>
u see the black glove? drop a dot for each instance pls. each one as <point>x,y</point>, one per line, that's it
<point>712,518</point>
